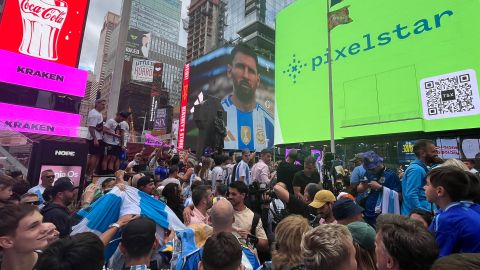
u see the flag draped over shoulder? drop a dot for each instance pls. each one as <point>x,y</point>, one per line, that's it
<point>338,17</point>
<point>110,207</point>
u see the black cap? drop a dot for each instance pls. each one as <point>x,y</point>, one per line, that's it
<point>62,184</point>
<point>346,208</point>
<point>125,114</point>
<point>144,180</point>
<point>141,230</point>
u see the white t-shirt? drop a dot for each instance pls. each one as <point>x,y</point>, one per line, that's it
<point>114,126</point>
<point>243,170</point>
<point>217,175</point>
<point>93,120</point>
<point>124,126</point>
<point>171,180</point>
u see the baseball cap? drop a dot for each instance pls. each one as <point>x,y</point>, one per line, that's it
<point>321,198</point>
<point>363,234</point>
<point>345,208</point>
<point>144,180</point>
<point>371,160</point>
<point>357,157</point>
<point>125,114</point>
<point>141,230</point>
<point>62,184</point>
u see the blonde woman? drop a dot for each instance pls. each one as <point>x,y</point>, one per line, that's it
<point>287,252</point>
<point>456,163</point>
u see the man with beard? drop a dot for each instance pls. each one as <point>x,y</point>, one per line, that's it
<point>202,197</point>
<point>249,125</point>
<point>56,212</point>
<point>415,177</point>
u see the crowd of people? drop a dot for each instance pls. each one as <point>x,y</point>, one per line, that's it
<point>248,212</point>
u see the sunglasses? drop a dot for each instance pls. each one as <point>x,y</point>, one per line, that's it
<point>32,203</point>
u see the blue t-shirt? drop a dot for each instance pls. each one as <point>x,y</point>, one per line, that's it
<point>457,229</point>
<point>387,178</point>
<point>357,174</point>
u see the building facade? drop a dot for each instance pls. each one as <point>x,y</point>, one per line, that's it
<point>206,22</point>
<point>88,101</point>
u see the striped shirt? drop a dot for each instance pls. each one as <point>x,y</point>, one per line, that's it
<point>252,130</point>
<point>243,170</point>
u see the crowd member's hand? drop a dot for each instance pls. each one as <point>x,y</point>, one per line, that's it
<point>243,234</point>
<point>120,175</point>
<point>169,235</point>
<point>96,143</point>
<point>266,200</point>
<point>374,185</point>
<point>52,232</point>
<point>187,214</point>
<point>124,220</point>
<point>89,193</point>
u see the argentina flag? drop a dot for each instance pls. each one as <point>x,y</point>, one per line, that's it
<point>117,203</point>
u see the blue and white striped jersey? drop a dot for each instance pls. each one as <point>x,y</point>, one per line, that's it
<point>251,130</point>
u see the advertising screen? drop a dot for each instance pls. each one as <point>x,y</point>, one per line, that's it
<point>46,29</point>
<point>397,66</point>
<point>72,172</point>
<point>138,43</point>
<point>142,70</point>
<point>239,84</point>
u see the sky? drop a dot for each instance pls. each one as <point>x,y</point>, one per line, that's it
<point>93,27</point>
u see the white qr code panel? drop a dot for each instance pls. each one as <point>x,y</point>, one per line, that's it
<point>450,95</point>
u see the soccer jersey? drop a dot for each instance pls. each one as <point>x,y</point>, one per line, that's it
<point>252,130</point>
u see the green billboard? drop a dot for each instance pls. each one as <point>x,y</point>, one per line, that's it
<point>397,66</point>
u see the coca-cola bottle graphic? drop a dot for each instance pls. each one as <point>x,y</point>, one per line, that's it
<point>42,23</point>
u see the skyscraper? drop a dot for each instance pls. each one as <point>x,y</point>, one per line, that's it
<point>107,37</point>
<point>256,18</point>
<point>206,21</point>
<point>149,72</point>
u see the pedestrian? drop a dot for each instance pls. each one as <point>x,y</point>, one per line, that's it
<point>287,170</point>
<point>308,175</point>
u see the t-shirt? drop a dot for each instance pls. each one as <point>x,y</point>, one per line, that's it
<point>301,180</point>
<point>95,119</point>
<point>285,173</point>
<point>126,129</point>
<point>243,221</point>
<point>387,178</point>
<point>217,175</point>
<point>171,180</point>
<point>243,170</point>
<point>114,127</point>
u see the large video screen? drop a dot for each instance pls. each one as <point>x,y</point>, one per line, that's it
<point>239,86</point>
<point>397,66</point>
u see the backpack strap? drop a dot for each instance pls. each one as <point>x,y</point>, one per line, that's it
<point>255,220</point>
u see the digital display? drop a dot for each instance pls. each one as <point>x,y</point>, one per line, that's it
<point>397,66</point>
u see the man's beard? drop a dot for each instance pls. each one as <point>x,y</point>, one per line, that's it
<point>243,91</point>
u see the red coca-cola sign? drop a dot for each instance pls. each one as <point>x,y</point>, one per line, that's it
<point>47,29</point>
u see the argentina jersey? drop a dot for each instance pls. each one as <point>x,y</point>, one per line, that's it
<point>251,130</point>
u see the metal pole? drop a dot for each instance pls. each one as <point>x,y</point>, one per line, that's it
<point>330,93</point>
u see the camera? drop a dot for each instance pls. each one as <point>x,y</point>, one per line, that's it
<point>252,240</point>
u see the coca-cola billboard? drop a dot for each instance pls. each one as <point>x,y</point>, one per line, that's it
<point>46,29</point>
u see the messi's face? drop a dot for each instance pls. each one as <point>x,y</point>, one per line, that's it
<point>244,74</point>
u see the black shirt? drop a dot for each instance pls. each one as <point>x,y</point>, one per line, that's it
<point>58,215</point>
<point>298,207</point>
<point>286,172</point>
<point>301,180</point>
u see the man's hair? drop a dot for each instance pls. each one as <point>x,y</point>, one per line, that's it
<point>16,174</point>
<point>312,189</point>
<point>240,186</point>
<point>221,190</point>
<point>218,160</point>
<point>474,191</point>
<point>242,48</point>
<point>6,182</point>
<point>199,193</point>
<point>98,101</point>
<point>173,169</point>
<point>408,241</point>
<point>309,160</point>
<point>195,184</point>
<point>288,236</point>
<point>465,261</point>
<point>421,145</point>
<point>222,218</point>
<point>293,154</point>
<point>326,246</point>
<point>11,215</point>
<point>265,151</point>
<point>79,252</point>
<point>245,151</point>
<point>26,195</point>
<point>45,172</point>
<point>454,180</point>
<point>426,216</point>
<point>222,251</point>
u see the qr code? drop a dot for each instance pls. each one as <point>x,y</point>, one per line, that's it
<point>450,95</point>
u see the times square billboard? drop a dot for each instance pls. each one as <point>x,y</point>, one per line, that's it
<point>412,68</point>
<point>40,87</point>
<point>239,86</point>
